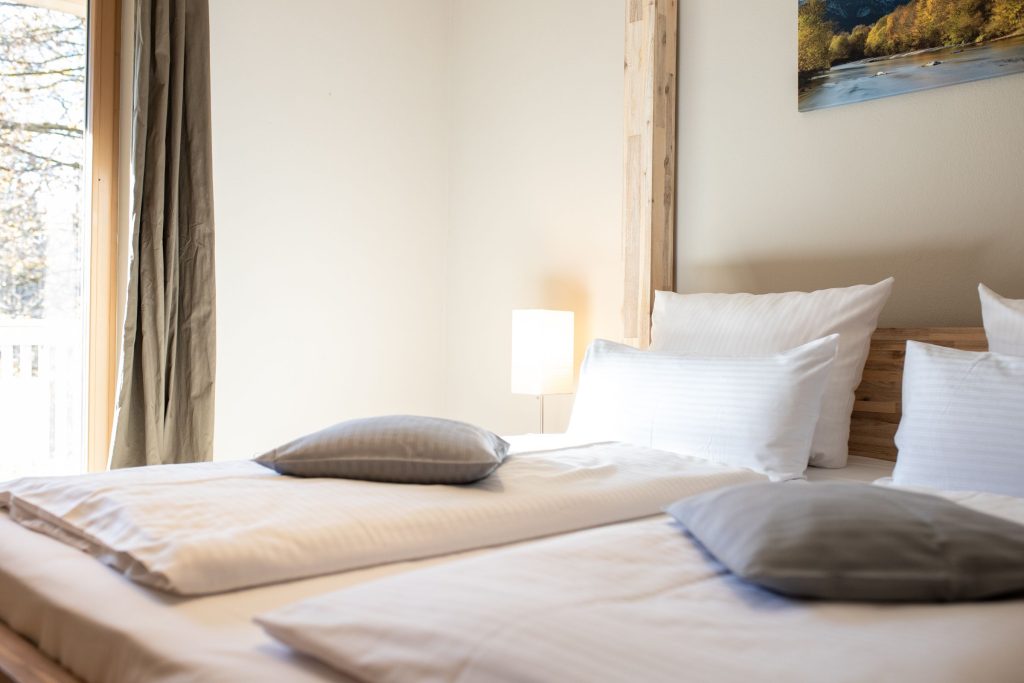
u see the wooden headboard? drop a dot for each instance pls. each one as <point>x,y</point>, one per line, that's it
<point>877,411</point>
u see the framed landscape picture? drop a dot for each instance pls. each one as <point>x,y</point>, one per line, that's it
<point>855,50</point>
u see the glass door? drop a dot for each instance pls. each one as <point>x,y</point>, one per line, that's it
<point>43,240</point>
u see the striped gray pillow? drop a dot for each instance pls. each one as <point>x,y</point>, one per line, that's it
<point>844,541</point>
<point>402,449</point>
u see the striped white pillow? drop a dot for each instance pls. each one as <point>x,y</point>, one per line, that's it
<point>1004,322</point>
<point>760,324</point>
<point>757,413</point>
<point>963,421</point>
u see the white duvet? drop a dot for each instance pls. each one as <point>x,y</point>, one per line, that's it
<point>207,528</point>
<point>640,602</point>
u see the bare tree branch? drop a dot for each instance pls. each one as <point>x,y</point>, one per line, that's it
<point>52,72</point>
<point>42,128</point>
<point>39,157</point>
<point>42,121</point>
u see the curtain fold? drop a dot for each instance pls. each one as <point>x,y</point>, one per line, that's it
<point>165,398</point>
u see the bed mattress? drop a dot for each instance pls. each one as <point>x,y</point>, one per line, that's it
<point>74,607</point>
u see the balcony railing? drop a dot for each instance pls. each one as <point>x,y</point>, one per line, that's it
<point>41,399</point>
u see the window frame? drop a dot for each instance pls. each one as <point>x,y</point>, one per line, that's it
<point>103,149</point>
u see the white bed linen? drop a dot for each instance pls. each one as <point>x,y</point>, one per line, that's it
<point>961,426</point>
<point>858,468</point>
<point>213,527</point>
<point>640,602</point>
<point>755,412</point>
<point>107,629</point>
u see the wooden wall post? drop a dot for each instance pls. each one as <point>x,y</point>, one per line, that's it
<point>648,201</point>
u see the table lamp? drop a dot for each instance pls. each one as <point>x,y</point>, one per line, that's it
<point>542,354</point>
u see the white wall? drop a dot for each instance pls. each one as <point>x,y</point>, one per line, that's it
<point>536,184</point>
<point>393,178</point>
<point>925,186</point>
<point>330,162</point>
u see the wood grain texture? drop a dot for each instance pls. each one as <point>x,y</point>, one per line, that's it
<point>877,409</point>
<point>649,165</point>
<point>21,662</point>
<point>103,121</point>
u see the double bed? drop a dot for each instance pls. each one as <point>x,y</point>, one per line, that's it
<point>191,554</point>
<point>71,606</point>
<point>68,617</point>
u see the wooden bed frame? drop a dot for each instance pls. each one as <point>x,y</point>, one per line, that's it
<point>23,662</point>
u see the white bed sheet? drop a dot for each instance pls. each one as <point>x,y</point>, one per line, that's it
<point>107,629</point>
<point>640,602</point>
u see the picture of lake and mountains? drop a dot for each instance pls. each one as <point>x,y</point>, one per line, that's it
<point>856,50</point>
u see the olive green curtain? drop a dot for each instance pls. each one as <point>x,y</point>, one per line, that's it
<point>165,401</point>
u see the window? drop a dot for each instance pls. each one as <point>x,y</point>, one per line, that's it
<point>57,188</point>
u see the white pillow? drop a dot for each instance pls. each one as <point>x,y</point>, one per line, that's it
<point>963,421</point>
<point>757,413</point>
<point>1004,322</point>
<point>760,324</point>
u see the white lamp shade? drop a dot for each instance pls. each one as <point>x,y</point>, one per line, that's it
<point>542,352</point>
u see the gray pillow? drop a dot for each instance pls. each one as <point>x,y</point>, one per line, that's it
<point>403,449</point>
<point>842,541</point>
